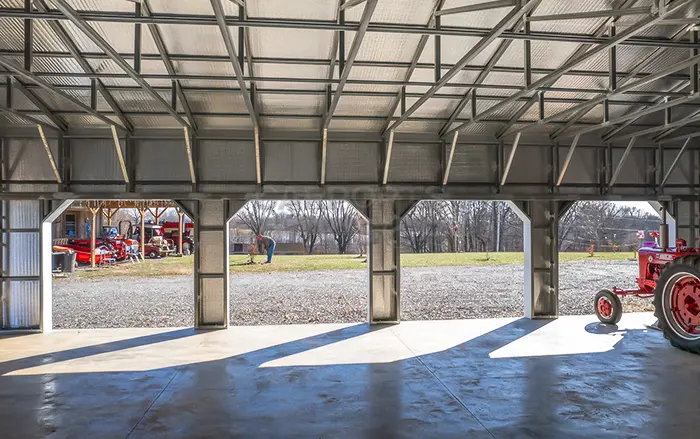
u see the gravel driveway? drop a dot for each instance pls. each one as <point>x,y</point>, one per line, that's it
<point>332,296</point>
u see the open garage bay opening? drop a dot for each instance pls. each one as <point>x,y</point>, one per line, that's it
<point>608,235</point>
<point>461,260</point>
<point>318,269</point>
<point>122,264</point>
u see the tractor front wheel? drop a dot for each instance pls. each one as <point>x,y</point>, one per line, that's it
<point>608,307</point>
<point>677,303</point>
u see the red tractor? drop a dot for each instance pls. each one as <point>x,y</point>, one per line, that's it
<point>672,277</point>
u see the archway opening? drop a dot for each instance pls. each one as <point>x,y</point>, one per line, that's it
<point>121,264</point>
<point>598,243</point>
<point>318,268</point>
<point>461,260</point>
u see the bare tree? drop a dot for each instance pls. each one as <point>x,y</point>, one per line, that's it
<point>341,217</point>
<point>308,220</point>
<point>415,228</point>
<point>255,215</point>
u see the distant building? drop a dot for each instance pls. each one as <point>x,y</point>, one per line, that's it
<point>75,223</point>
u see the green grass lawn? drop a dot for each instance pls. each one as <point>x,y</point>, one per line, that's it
<point>183,266</point>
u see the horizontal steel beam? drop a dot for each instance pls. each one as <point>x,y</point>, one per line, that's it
<point>205,20</point>
<point>593,14</point>
<point>354,81</point>
<point>311,92</point>
<point>454,191</point>
<point>327,62</point>
<point>591,126</point>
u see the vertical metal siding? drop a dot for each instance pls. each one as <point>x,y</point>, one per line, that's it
<point>21,264</point>
<point>24,307</point>
<point>24,214</point>
<point>24,254</point>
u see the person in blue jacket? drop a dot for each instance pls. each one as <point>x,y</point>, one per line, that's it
<point>267,243</point>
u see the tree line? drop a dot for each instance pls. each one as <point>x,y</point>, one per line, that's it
<point>308,222</point>
<point>444,226</point>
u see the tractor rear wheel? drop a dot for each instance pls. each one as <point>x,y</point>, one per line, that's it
<point>677,303</point>
<point>608,307</point>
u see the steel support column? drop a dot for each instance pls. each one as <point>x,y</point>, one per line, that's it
<point>50,212</point>
<point>385,258</point>
<point>686,216</point>
<point>541,246</point>
<point>211,267</point>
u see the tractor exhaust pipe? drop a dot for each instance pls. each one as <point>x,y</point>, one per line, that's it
<point>663,230</point>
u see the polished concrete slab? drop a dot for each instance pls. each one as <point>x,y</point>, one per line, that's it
<point>495,378</point>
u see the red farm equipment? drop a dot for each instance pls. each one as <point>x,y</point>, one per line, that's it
<point>110,246</point>
<point>155,246</point>
<point>170,232</point>
<point>672,277</point>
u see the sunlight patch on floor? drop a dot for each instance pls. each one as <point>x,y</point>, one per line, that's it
<point>573,335</point>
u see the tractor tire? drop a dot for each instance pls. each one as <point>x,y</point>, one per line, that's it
<point>677,303</point>
<point>608,307</point>
<point>153,254</point>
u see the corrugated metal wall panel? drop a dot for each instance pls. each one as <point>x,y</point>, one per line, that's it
<point>23,254</point>
<point>473,164</point>
<point>297,161</point>
<point>226,160</point>
<point>163,160</point>
<point>637,167</point>
<point>584,165</point>
<point>683,173</point>
<point>415,163</point>
<point>21,258</point>
<point>94,160</point>
<point>522,171</point>
<point>352,162</point>
<point>28,160</point>
<point>24,214</point>
<point>23,304</point>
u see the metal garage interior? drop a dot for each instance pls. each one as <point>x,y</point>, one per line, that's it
<point>379,102</point>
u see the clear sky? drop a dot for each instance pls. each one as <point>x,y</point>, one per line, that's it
<point>641,205</point>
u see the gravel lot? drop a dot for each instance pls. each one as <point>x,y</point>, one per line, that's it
<point>332,296</point>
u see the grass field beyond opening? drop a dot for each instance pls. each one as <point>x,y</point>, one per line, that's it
<point>182,266</point>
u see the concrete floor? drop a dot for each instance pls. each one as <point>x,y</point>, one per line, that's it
<point>497,378</point>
